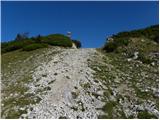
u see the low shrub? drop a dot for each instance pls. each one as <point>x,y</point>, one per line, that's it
<point>122,41</point>
<point>34,42</point>
<point>113,45</point>
<point>34,46</point>
<point>77,43</point>
<point>145,115</point>
<point>15,45</point>
<point>151,32</point>
<point>122,38</point>
<point>110,46</point>
<point>145,59</point>
<point>58,40</point>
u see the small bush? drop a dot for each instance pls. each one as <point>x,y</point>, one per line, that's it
<point>122,41</point>
<point>34,42</point>
<point>145,115</point>
<point>77,43</point>
<point>15,45</point>
<point>144,58</point>
<point>58,40</point>
<point>110,46</point>
<point>151,32</point>
<point>34,47</point>
<point>117,42</point>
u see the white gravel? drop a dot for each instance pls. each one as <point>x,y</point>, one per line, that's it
<point>66,71</point>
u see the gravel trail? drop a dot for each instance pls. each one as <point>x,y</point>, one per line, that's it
<point>70,85</point>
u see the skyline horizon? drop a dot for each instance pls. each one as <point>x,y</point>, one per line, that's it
<point>71,34</point>
<point>89,22</point>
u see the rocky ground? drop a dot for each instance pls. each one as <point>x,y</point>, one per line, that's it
<point>77,83</point>
<point>131,87</point>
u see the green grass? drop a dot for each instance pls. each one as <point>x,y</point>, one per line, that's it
<point>58,40</point>
<point>116,71</point>
<point>14,114</point>
<point>17,68</point>
<point>112,46</point>
<point>151,32</point>
<point>86,85</point>
<point>145,115</point>
<point>108,108</point>
<point>33,43</point>
<point>116,64</point>
<point>34,46</point>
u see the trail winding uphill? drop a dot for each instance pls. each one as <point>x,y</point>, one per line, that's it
<point>77,83</point>
<point>71,83</point>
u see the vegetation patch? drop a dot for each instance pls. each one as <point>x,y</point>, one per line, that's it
<point>22,41</point>
<point>86,85</point>
<point>77,43</point>
<point>57,40</point>
<point>151,32</point>
<point>145,115</point>
<point>112,46</point>
<point>122,41</point>
<point>74,108</point>
<point>34,46</point>
<point>74,94</point>
<point>126,81</point>
<point>145,59</point>
<point>108,108</point>
<point>16,77</point>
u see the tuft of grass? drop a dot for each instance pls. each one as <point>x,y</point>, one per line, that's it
<point>144,58</point>
<point>74,94</point>
<point>74,108</point>
<point>113,45</point>
<point>145,115</point>
<point>81,105</point>
<point>17,75</point>
<point>15,114</point>
<point>108,108</point>
<point>34,46</point>
<point>86,85</point>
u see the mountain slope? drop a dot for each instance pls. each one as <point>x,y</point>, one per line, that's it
<point>77,83</point>
<point>67,97</point>
<point>61,84</point>
<point>118,81</point>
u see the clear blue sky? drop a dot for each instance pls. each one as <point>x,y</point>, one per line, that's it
<point>89,22</point>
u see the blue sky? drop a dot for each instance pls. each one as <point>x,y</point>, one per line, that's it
<point>89,22</point>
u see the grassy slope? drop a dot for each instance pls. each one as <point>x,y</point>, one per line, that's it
<point>29,44</point>
<point>130,82</point>
<point>17,69</point>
